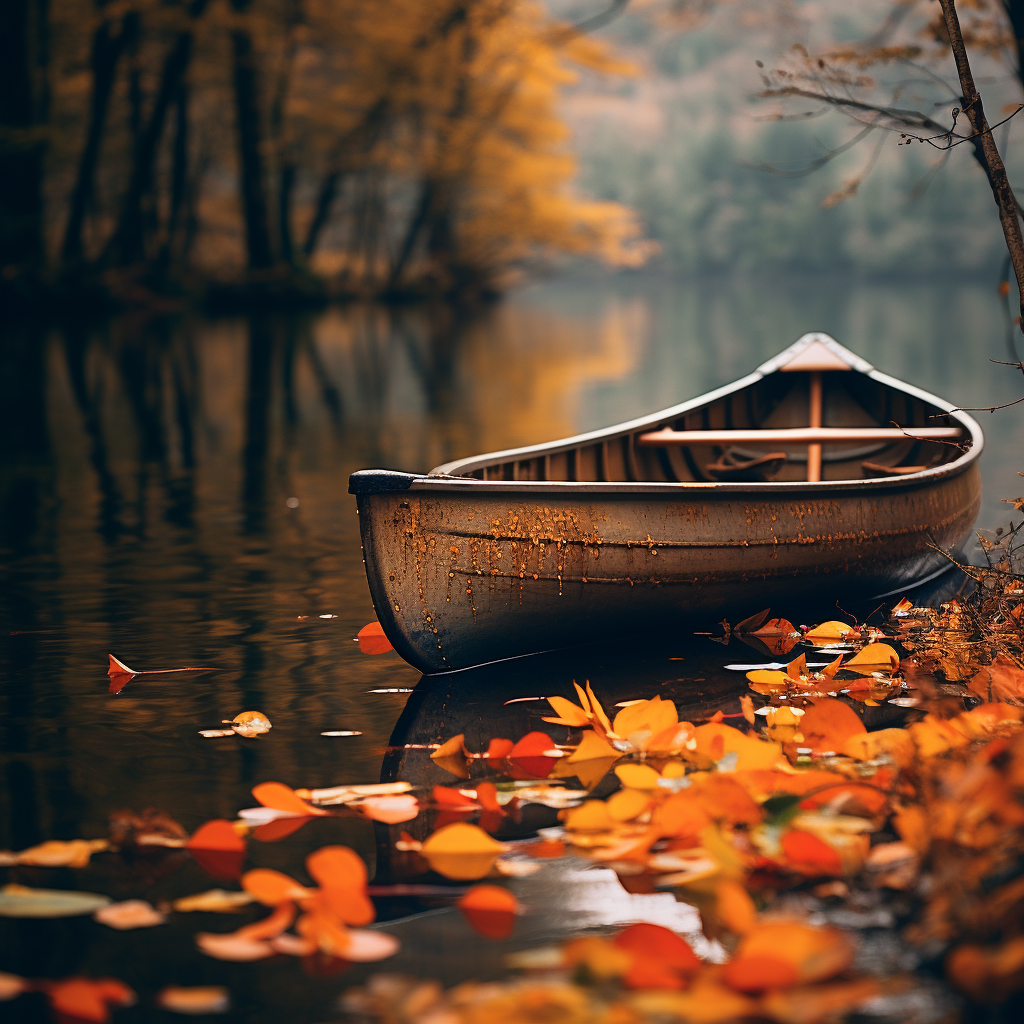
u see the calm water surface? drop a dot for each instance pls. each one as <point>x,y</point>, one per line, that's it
<point>174,492</point>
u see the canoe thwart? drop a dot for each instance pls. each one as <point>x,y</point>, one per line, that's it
<point>795,435</point>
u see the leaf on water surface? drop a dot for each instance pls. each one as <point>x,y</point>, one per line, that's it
<point>567,713</point>
<point>82,999</point>
<point>150,828</point>
<point>461,851</point>
<point>279,828</point>
<point>119,668</point>
<point>828,724</point>
<point>490,910</point>
<point>638,776</point>
<point>129,914</point>
<point>778,635</point>
<point>343,878</point>
<point>661,959</point>
<point>218,849</point>
<point>215,734</point>
<point>282,798</point>
<point>250,724</point>
<point>213,901</point>
<point>779,954</point>
<point>874,658</point>
<point>807,854</point>
<point>372,640</point>
<point>747,708</point>
<point>231,947</point>
<point>452,799</point>
<point>12,986</point>
<point>825,632</point>
<point>752,622</point>
<point>367,945</point>
<point>56,853</point>
<point>715,740</point>
<point>593,747</point>
<point>546,849</point>
<point>390,809</point>
<point>271,888</point>
<point>531,755</point>
<point>197,1000</point>
<point>22,901</point>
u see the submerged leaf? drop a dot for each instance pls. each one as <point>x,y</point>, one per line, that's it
<point>22,901</point>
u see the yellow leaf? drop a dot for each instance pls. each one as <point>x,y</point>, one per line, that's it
<point>826,631</point>
<point>874,658</point>
<point>592,747</point>
<point>461,851</point>
<point>649,717</point>
<point>638,776</point>
<point>568,713</point>
<point>591,816</point>
<point>715,740</point>
<point>600,717</point>
<point>627,804</point>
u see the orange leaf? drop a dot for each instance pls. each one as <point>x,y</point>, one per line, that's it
<point>653,943</point>
<point>272,925</point>
<point>568,713</point>
<point>337,866</point>
<point>874,658</point>
<point>447,797</point>
<point>797,668</point>
<point>810,855</point>
<point>828,723</point>
<point>760,972</point>
<point>600,718</point>
<point>282,798</point>
<point>372,639</point>
<point>490,910</point>
<point>272,888</point>
<point>218,849</point>
<point>461,851</point>
<point>497,750</point>
<point>391,809</point>
<point>279,828</point>
<point>487,797</point>
<point>527,755</point>
<point>81,999</point>
<point>681,816</point>
<point>546,849</point>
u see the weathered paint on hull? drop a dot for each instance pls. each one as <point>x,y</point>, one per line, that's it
<point>461,576</point>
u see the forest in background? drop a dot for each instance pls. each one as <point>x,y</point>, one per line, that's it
<point>268,150</point>
<point>413,147</point>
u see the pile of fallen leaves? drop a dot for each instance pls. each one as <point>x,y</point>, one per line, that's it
<point>779,825</point>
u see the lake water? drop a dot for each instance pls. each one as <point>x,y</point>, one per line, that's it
<point>173,492</point>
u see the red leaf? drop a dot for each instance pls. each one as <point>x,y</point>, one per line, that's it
<point>218,849</point>
<point>280,797</point>
<point>279,828</point>
<point>372,639</point>
<point>487,797</point>
<point>445,796</point>
<point>490,910</point>
<point>758,973</point>
<point>527,755</point>
<point>497,751</point>
<point>652,943</point>
<point>809,854</point>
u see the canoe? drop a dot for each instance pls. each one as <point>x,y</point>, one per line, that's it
<point>813,479</point>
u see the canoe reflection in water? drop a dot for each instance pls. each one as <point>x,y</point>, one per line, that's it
<point>815,476</point>
<point>565,897</point>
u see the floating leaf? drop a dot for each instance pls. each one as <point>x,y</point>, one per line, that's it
<point>529,755</point>
<point>56,853</point>
<point>250,724</point>
<point>874,658</point>
<point>461,851</point>
<point>638,776</point>
<point>567,713</point>
<point>81,999</point>
<point>342,877</point>
<point>828,724</point>
<point>714,740</point>
<point>640,722</point>
<point>213,901</point>
<point>490,910</point>
<point>808,854</point>
<point>593,747</point>
<point>661,959</point>
<point>198,1000</point>
<point>778,954</point>
<point>282,798</point>
<point>372,639</point>
<point>218,849</point>
<point>271,887</point>
<point>365,946</point>
<point>231,947</point>
<point>827,632</point>
<point>390,809</point>
<point>21,901</point>
<point>129,914</point>
<point>12,986</point>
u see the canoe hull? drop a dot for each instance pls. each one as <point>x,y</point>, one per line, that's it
<point>465,572</point>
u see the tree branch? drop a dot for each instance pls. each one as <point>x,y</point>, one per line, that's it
<point>986,150</point>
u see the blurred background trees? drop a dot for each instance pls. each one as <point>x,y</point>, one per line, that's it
<point>403,148</point>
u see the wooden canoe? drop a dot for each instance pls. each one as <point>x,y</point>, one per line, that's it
<point>813,479</point>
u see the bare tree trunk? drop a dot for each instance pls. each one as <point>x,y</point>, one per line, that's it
<point>107,48</point>
<point>179,178</point>
<point>128,243</point>
<point>322,212</point>
<point>985,149</point>
<point>23,112</point>
<point>255,208</point>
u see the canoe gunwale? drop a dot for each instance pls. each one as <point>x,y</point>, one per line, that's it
<point>451,472</point>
